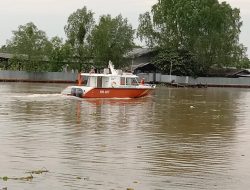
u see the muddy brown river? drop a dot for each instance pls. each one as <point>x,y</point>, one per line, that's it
<point>175,139</point>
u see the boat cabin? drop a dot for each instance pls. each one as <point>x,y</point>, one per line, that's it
<point>110,78</point>
<point>110,81</point>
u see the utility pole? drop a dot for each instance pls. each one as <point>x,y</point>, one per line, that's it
<point>170,71</point>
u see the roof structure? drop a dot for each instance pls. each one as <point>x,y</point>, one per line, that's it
<point>241,73</point>
<point>6,55</point>
<point>10,56</point>
<point>137,52</point>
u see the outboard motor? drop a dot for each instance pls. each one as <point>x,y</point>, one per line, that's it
<point>73,91</point>
<point>79,92</point>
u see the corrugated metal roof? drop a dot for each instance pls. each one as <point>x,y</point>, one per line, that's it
<point>137,52</point>
<point>6,55</point>
<point>139,65</point>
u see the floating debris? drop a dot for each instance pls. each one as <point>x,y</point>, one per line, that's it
<point>86,178</point>
<point>5,178</point>
<point>43,170</point>
<point>27,178</point>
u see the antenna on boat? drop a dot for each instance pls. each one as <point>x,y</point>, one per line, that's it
<point>112,69</point>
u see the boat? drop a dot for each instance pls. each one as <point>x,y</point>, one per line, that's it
<point>112,83</point>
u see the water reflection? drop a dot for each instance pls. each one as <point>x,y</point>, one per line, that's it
<point>176,139</point>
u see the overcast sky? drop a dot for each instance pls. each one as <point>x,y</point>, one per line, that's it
<point>51,15</point>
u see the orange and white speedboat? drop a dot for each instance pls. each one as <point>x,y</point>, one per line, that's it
<point>111,83</point>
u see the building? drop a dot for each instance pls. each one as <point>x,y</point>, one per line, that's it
<point>4,60</point>
<point>140,60</point>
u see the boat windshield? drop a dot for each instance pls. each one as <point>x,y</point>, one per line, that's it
<point>131,81</point>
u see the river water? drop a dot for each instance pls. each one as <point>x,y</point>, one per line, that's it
<point>174,139</point>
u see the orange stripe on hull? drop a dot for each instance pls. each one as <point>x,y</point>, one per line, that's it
<point>117,93</point>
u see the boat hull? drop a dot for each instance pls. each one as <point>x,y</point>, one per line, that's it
<point>87,92</point>
<point>117,93</point>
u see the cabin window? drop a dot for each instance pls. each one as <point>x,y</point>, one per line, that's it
<point>88,81</point>
<point>85,80</point>
<point>92,81</point>
<point>122,80</point>
<point>105,82</point>
<point>99,82</point>
<point>128,81</point>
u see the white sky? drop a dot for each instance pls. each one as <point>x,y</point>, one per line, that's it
<point>51,15</point>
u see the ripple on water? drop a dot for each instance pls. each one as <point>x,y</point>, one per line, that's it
<point>158,142</point>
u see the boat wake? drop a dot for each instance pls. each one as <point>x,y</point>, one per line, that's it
<point>37,97</point>
<point>42,95</point>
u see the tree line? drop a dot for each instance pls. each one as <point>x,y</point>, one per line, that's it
<point>87,44</point>
<point>189,36</point>
<point>193,35</point>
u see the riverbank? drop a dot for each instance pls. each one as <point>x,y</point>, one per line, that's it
<point>43,77</point>
<point>156,78</point>
<point>187,81</point>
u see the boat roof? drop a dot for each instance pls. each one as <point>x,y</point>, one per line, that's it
<point>114,73</point>
<point>109,75</point>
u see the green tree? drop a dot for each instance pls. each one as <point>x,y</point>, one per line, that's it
<point>32,44</point>
<point>244,63</point>
<point>60,54</point>
<point>206,28</point>
<point>181,63</point>
<point>78,31</point>
<point>111,39</point>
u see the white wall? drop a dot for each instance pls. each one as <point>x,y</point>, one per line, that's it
<point>38,76</point>
<point>213,81</point>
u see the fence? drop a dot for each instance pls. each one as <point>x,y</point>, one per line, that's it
<point>70,77</point>
<point>187,80</point>
<point>61,77</point>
